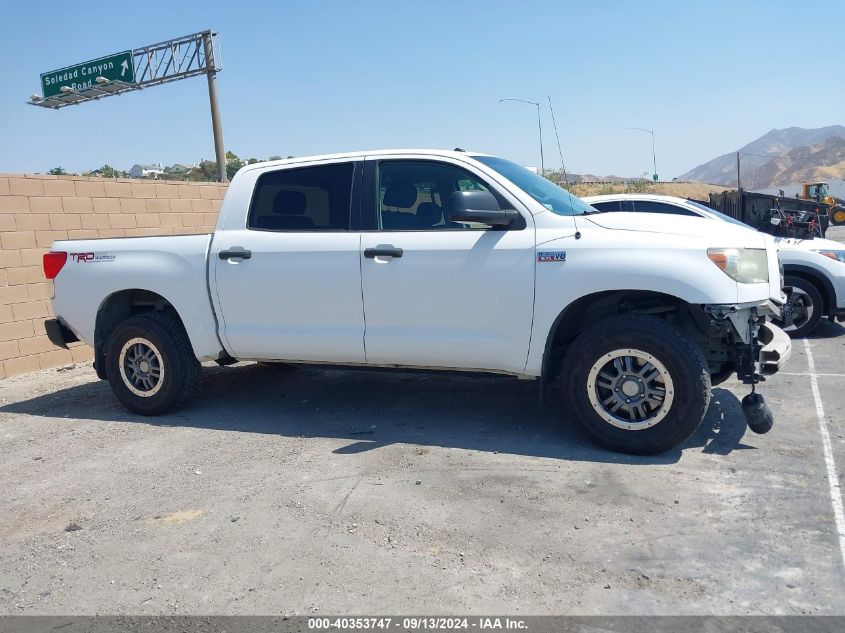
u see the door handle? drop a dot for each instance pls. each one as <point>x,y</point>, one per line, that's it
<point>236,252</point>
<point>383,251</point>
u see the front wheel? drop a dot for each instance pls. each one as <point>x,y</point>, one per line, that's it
<point>150,364</point>
<point>636,384</point>
<point>803,308</point>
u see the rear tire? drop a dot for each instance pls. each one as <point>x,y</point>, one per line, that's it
<point>802,311</point>
<point>150,364</point>
<point>635,384</point>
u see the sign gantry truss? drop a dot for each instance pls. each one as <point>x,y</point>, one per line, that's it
<point>179,58</point>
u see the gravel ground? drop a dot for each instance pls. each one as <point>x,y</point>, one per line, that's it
<point>314,491</point>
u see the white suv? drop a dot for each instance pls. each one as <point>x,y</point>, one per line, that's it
<point>814,269</point>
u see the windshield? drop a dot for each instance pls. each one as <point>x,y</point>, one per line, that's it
<point>721,216</point>
<point>554,198</point>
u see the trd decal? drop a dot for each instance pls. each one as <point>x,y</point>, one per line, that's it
<point>82,258</point>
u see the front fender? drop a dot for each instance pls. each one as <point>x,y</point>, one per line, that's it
<point>680,271</point>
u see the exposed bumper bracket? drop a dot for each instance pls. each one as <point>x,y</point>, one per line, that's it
<point>776,350</point>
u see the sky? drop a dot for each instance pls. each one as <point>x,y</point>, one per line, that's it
<point>302,78</point>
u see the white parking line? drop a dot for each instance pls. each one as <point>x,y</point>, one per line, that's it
<point>832,478</point>
<point>804,373</point>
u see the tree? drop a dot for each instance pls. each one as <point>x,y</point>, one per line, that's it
<point>233,164</point>
<point>57,171</point>
<point>110,172</point>
<point>207,171</point>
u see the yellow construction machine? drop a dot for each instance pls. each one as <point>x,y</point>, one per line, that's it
<point>820,192</point>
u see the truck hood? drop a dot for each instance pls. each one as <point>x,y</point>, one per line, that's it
<point>678,225</point>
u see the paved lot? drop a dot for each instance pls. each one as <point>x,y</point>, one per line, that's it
<point>316,491</point>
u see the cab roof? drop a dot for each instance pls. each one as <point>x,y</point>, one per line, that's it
<point>361,154</point>
<point>654,197</point>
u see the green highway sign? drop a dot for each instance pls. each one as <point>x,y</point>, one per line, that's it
<point>117,67</point>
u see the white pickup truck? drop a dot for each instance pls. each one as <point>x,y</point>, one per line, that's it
<point>441,260</point>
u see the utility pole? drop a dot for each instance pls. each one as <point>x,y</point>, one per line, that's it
<point>216,126</point>
<point>738,181</point>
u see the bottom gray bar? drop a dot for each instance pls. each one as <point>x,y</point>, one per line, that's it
<point>531,624</point>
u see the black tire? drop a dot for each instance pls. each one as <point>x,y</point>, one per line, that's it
<point>663,344</point>
<point>179,370</point>
<point>803,297</point>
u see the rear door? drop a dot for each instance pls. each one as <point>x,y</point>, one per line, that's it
<point>440,293</point>
<point>286,275</point>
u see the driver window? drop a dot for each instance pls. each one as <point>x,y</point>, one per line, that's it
<point>415,195</point>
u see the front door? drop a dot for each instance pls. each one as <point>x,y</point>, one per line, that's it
<point>440,293</point>
<point>287,281</point>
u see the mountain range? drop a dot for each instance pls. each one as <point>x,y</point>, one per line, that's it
<point>779,158</point>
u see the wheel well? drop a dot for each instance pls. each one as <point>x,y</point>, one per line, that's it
<point>116,308</point>
<point>821,283</point>
<point>600,305</point>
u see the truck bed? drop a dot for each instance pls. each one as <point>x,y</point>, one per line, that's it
<point>174,267</point>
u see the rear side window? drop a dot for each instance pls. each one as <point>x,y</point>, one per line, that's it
<point>303,199</point>
<point>647,206</point>
<point>607,207</point>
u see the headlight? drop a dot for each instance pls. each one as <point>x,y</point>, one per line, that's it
<point>837,255</point>
<point>745,265</point>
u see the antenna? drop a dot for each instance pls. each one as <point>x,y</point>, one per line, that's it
<point>563,167</point>
<point>557,137</point>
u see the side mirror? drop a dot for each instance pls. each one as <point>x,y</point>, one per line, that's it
<point>479,206</point>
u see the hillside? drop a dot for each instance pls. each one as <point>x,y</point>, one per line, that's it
<point>695,190</point>
<point>821,161</point>
<point>808,153</point>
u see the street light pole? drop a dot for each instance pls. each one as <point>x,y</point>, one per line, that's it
<point>653,155</point>
<point>539,129</point>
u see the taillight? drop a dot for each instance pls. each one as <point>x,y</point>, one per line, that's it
<point>53,263</point>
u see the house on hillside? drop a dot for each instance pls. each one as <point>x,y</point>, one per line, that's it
<point>179,169</point>
<point>146,171</point>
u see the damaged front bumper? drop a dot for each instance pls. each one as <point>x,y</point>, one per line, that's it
<point>758,347</point>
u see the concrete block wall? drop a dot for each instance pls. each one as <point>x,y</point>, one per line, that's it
<point>37,209</point>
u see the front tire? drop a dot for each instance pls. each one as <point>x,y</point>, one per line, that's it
<point>150,364</point>
<point>802,311</point>
<point>636,384</point>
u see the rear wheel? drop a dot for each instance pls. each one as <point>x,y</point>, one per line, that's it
<point>150,364</point>
<point>636,384</point>
<point>803,308</point>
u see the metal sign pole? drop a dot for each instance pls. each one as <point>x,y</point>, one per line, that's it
<point>216,126</point>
